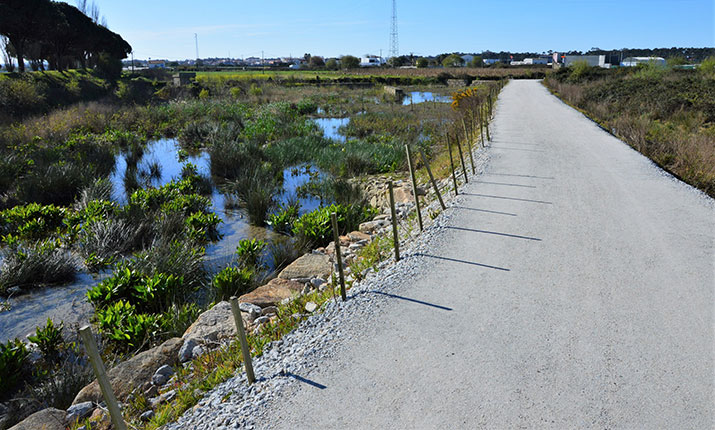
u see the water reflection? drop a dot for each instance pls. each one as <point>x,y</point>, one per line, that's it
<point>160,160</point>
<point>415,97</point>
<point>331,126</point>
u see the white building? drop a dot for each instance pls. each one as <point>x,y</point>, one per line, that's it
<point>536,61</point>
<point>592,60</point>
<point>634,61</point>
<point>371,61</point>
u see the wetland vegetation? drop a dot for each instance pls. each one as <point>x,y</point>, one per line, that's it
<point>173,198</point>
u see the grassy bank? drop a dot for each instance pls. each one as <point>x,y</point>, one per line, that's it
<point>668,115</point>
<point>27,94</point>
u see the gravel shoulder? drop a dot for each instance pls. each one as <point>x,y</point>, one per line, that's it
<point>571,285</point>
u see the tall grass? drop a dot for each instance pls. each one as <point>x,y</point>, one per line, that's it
<point>31,265</point>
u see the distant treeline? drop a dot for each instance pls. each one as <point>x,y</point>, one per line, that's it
<point>59,34</point>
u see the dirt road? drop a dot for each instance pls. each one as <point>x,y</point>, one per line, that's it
<point>573,288</point>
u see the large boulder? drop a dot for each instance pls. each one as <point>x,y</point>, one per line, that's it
<point>133,373</point>
<point>213,325</point>
<point>306,267</point>
<point>357,236</point>
<point>46,419</point>
<point>273,292</point>
<point>403,194</point>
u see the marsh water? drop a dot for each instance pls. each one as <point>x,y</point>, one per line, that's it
<point>158,164</point>
<point>331,127</point>
<point>415,97</point>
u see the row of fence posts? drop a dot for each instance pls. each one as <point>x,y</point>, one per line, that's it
<point>484,113</point>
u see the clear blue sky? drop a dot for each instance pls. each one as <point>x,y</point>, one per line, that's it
<point>165,29</point>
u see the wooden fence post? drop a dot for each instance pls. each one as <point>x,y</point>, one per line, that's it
<point>393,214</point>
<point>461,158</point>
<point>451,164</point>
<point>481,126</point>
<point>241,331</point>
<point>486,125</point>
<point>414,186</point>
<point>99,371</point>
<point>470,146</point>
<point>338,256</point>
<point>431,178</point>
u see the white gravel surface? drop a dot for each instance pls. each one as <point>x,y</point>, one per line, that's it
<point>570,287</point>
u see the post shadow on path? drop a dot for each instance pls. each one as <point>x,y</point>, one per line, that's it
<point>514,143</point>
<point>516,236</point>
<point>519,176</point>
<point>516,149</point>
<point>455,260</point>
<point>506,198</point>
<point>484,210</point>
<point>505,184</point>
<point>304,380</point>
<point>395,296</point>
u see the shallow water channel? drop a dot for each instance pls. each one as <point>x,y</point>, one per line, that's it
<point>68,303</point>
<point>331,127</point>
<point>415,97</point>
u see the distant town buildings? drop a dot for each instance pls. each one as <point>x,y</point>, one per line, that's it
<point>371,61</point>
<point>156,64</point>
<point>592,60</point>
<point>634,61</point>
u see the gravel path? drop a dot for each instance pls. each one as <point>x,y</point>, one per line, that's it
<point>571,286</point>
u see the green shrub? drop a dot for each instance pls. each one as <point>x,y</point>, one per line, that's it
<point>650,71</point>
<point>202,227</point>
<point>121,323</point>
<point>282,221</point>
<point>255,90</point>
<point>249,252</point>
<point>20,97</point>
<point>315,228</point>
<point>232,281</point>
<point>204,94</point>
<point>12,360</point>
<point>136,90</point>
<point>49,340</point>
<point>306,106</point>
<point>707,68</point>
<point>31,221</point>
<point>579,69</point>
<point>147,293</point>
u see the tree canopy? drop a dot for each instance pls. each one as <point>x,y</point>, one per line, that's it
<point>453,60</point>
<point>350,62</point>
<point>58,33</point>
